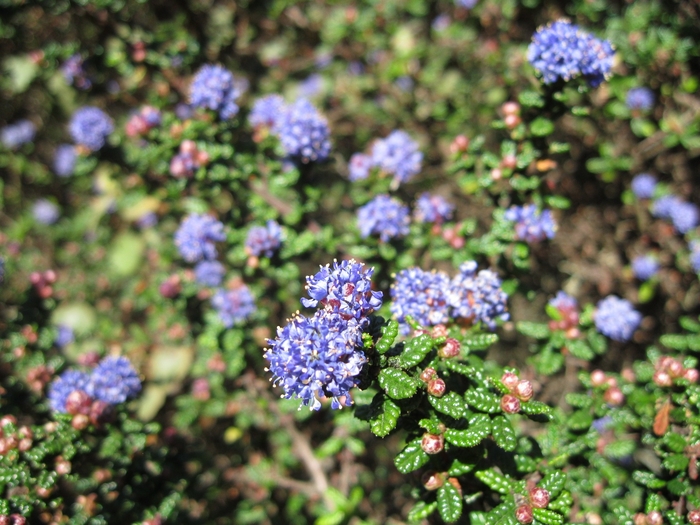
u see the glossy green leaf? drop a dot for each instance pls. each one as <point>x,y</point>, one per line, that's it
<point>580,420</point>
<point>648,479</point>
<point>451,404</point>
<point>421,511</point>
<point>674,341</point>
<point>504,433</point>
<point>449,502</point>
<point>416,350</point>
<point>483,400</point>
<point>541,127</point>
<point>533,408</point>
<point>554,482</point>
<point>676,462</point>
<point>579,400</point>
<point>470,437</point>
<point>563,503</point>
<point>389,332</point>
<point>411,457</point>
<point>458,468</point>
<point>397,384</point>
<point>548,517</point>
<point>385,421</point>
<point>620,449</point>
<point>534,330</point>
<point>675,442</point>
<point>495,480</point>
<point>580,349</point>
<point>479,341</point>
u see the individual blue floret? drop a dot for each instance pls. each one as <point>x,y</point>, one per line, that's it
<point>114,380</point>
<point>64,160</point>
<point>90,126</point>
<point>477,297</point>
<point>645,267</point>
<point>531,225</point>
<point>397,155</point>
<point>196,237</point>
<point>17,134</point>
<point>643,185</point>
<point>421,295</point>
<point>233,306</point>
<point>640,98</point>
<point>263,240</point>
<point>65,384</point>
<point>45,212</point>
<point>616,318</point>
<point>267,112</point>
<point>317,357</point>
<point>561,50</point>
<point>304,132</point>
<point>383,216</point>
<point>433,208</point>
<point>685,216</point>
<point>664,205</point>
<point>209,273</point>
<point>214,87</point>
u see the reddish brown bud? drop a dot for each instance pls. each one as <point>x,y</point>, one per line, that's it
<point>640,519</point>
<point>614,396</point>
<point>459,144</point>
<point>628,375</point>
<point>100,413</point>
<point>18,519</point>
<point>539,497</point>
<point>432,444</point>
<point>512,121</point>
<point>200,389</point>
<point>24,444</point>
<point>433,480</point>
<point>80,421</point>
<point>655,518</point>
<point>78,402</point>
<point>171,287</point>
<point>509,380</point>
<point>510,162</point>
<point>510,404</point>
<point>455,483</point>
<point>4,519</point>
<point>428,375</point>
<point>450,349</point>
<point>510,108</point>
<point>675,368</point>
<point>691,374</point>
<point>62,466</point>
<point>662,378</point>
<point>597,377</point>
<point>524,390</point>
<point>694,517</point>
<point>436,387</point>
<point>439,330</point>
<point>7,420</point>
<point>524,514</point>
<point>43,493</point>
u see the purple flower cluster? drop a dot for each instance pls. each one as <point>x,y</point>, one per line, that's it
<point>263,240</point>
<point>643,185</point>
<point>45,212</point>
<point>64,336</point>
<point>561,50</point>
<point>645,267</point>
<point>310,87</point>
<point>432,208</point>
<point>209,273</point>
<point>266,112</point>
<point>64,160</point>
<point>74,73</point>
<point>684,215</point>
<point>531,225</point>
<point>383,216</point>
<point>113,381</point>
<point>563,302</point>
<point>90,126</point>
<point>432,298</point>
<point>616,318</point>
<point>215,88</point>
<point>17,134</point>
<point>196,237</point>
<point>235,305</point>
<point>359,166</point>
<point>304,132</point>
<point>397,155</point>
<point>466,4</point>
<point>640,98</point>
<point>321,356</point>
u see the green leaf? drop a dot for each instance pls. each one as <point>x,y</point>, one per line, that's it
<point>654,502</point>
<point>554,482</point>
<point>676,462</point>
<point>504,433</point>
<point>531,99</point>
<point>416,350</point>
<point>389,332</point>
<point>479,341</point>
<point>578,400</point>
<point>431,425</point>
<point>449,502</point>
<point>534,408</point>
<point>495,480</point>
<point>580,420</point>
<point>451,404</point>
<point>397,383</point>
<point>458,468</point>
<point>674,341</point>
<point>541,127</point>
<point>20,71</point>
<point>679,487</point>
<point>549,362</point>
<point>421,511</point>
<point>483,400</point>
<point>563,503</point>
<point>470,437</point>
<point>465,370</point>
<point>598,342</point>
<point>386,419</point>
<point>548,517</point>
<point>580,349</point>
<point>411,457</point>
<point>675,442</point>
<point>648,479</point>
<point>534,330</point>
<point>690,324</point>
<point>557,202</point>
<point>620,449</point>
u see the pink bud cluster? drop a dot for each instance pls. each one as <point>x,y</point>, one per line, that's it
<point>12,519</point>
<point>188,160</point>
<point>613,395</point>
<point>460,144</point>
<point>142,122</point>
<point>537,498</point>
<point>569,321</point>
<point>652,518</point>
<point>85,410</point>
<point>511,114</point>
<point>42,282</point>
<point>12,438</point>
<point>520,390</point>
<point>436,386</point>
<point>668,369</point>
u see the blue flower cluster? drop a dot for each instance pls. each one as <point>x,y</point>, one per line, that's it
<point>90,126</point>
<point>17,134</point>
<point>645,267</point>
<point>304,132</point>
<point>561,50</point>
<point>643,185</point>
<point>196,236</point>
<point>64,160</point>
<point>684,215</point>
<point>209,273</point>
<point>432,298</point>
<point>113,381</point>
<point>263,240</point>
<point>215,88</point>
<point>432,208</point>
<point>563,302</point>
<point>531,225</point>
<point>616,318</point>
<point>321,356</point>
<point>45,212</point>
<point>640,98</point>
<point>395,155</point>
<point>235,305</point>
<point>359,166</point>
<point>383,216</point>
<point>266,112</point>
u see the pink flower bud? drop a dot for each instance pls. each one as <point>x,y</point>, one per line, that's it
<point>662,378</point>
<point>170,288</point>
<point>433,480</point>
<point>510,404</point>
<point>511,108</point>
<point>24,444</point>
<point>614,396</point>
<point>428,375</point>
<point>524,390</point>
<point>655,518</point>
<point>18,519</point>
<point>188,146</point>
<point>450,349</point>
<point>694,517</point>
<point>62,467</point>
<point>80,421</point>
<point>512,121</point>
<point>496,174</point>
<point>439,330</point>
<point>200,389</point>
<point>509,380</point>
<point>78,402</point>
<point>597,377</point>
<point>436,387</point>
<point>459,144</point>
<point>691,374</point>
<point>510,162</point>
<point>640,519</point>
<point>100,413</point>
<point>539,497</point>
<point>675,368</point>
<point>432,444</point>
<point>524,514</point>
<point>7,420</point>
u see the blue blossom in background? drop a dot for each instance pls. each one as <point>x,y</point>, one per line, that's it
<point>685,216</point>
<point>643,185</point>
<point>64,160</point>
<point>640,98</point>
<point>477,297</point>
<point>531,225</point>
<point>90,126</point>
<point>404,83</point>
<point>663,206</point>
<point>114,380</point>
<point>441,22</point>
<point>214,87</point>
<point>267,111</point>
<point>645,267</point>
<point>695,256</point>
<point>317,357</point>
<point>359,166</point>
<point>304,132</point>
<point>64,336</point>
<point>147,220</point>
<point>196,236</point>
<point>616,318</point>
<point>17,134</point>
<point>432,208</point>
<point>421,295</point>
<point>397,155</point>
<point>45,212</point>
<point>74,73</point>
<point>383,216</point>
<point>233,306</point>
<point>561,50</point>
<point>466,4</point>
<point>345,288</point>
<point>209,273</point>
<point>602,424</point>
<point>563,302</point>
<point>310,87</point>
<point>65,384</point>
<point>263,240</point>
<point>183,111</point>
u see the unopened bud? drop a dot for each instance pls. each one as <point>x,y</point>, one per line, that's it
<point>597,377</point>
<point>439,330</point>
<point>694,517</point>
<point>78,402</point>
<point>691,374</point>
<point>614,396</point>
<point>524,390</point>
<point>18,519</point>
<point>640,519</point>
<point>539,497</point>
<point>43,493</point>
<point>428,375</point>
<point>100,412</point>
<point>628,375</point>
<point>662,378</point>
<point>509,380</point>
<point>436,387</point>
<point>510,404</point>
<point>433,480</point>
<point>62,467</point>
<point>511,108</point>
<point>459,144</point>
<point>524,514</point>
<point>432,444</point>
<point>7,420</point>
<point>450,349</point>
<point>675,368</point>
<point>509,161</point>
<point>655,518</point>
<point>24,444</point>
<point>80,421</point>
<point>511,121</point>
